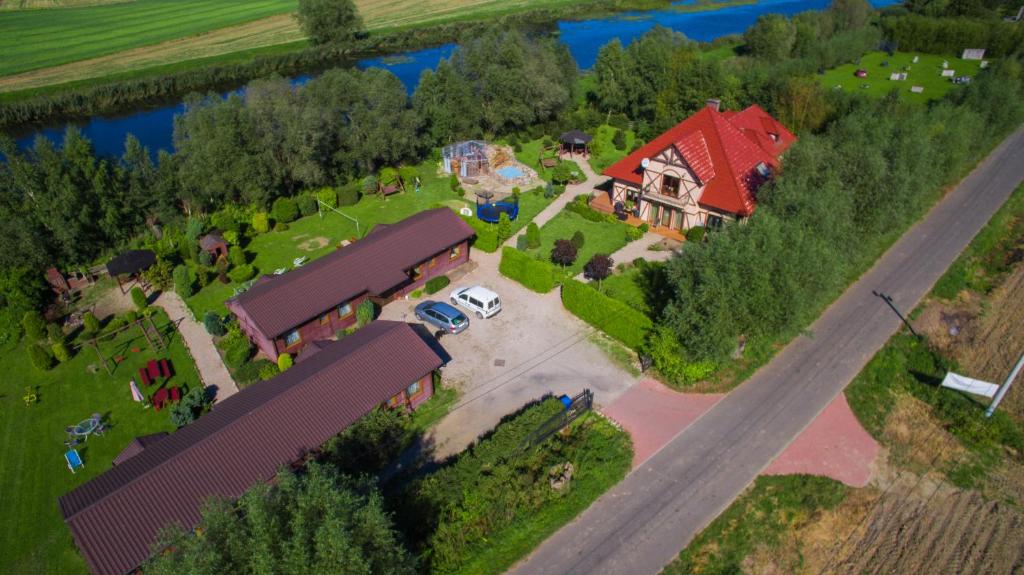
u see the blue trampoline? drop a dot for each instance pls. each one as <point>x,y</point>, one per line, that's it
<point>490,212</point>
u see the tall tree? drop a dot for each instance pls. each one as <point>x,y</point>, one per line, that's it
<point>614,77</point>
<point>771,37</point>
<point>318,523</point>
<point>444,102</point>
<point>329,21</point>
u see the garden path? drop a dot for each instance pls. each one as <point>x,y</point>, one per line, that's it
<point>571,191</point>
<point>199,343</point>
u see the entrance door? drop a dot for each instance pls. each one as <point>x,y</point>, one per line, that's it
<point>655,214</point>
<point>666,217</point>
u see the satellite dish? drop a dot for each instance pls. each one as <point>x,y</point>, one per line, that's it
<point>645,162</point>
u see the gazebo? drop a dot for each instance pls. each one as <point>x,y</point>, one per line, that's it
<point>131,263</point>
<point>575,142</point>
<point>214,243</point>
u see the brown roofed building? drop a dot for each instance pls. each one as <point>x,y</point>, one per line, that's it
<point>116,516</point>
<point>215,244</point>
<point>283,313</point>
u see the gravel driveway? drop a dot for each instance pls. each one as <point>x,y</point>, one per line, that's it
<point>532,348</point>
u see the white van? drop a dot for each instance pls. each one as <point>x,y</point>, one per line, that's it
<point>478,299</point>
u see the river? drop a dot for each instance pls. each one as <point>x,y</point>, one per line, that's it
<point>154,127</point>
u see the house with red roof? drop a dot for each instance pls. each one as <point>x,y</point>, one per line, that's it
<point>702,172</point>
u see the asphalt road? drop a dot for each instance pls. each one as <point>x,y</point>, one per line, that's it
<point>641,524</point>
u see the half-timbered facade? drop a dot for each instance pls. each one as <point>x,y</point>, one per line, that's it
<point>702,172</point>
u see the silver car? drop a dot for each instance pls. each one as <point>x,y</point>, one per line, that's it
<point>443,316</point>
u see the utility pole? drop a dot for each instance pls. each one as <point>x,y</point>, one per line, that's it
<point>888,299</point>
<point>1005,387</point>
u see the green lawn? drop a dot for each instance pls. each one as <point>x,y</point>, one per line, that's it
<point>926,72</point>
<point>603,151</point>
<point>33,537</point>
<point>314,236</point>
<point>600,237</point>
<point>625,286</point>
<point>31,39</point>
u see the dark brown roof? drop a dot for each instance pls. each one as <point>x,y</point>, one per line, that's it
<point>137,445</point>
<point>131,262</point>
<point>245,439</point>
<point>375,264</point>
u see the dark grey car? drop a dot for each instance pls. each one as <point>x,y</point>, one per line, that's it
<point>443,316</point>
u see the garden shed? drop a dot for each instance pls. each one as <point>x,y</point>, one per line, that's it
<point>466,159</point>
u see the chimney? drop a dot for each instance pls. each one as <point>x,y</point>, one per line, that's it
<point>714,104</point>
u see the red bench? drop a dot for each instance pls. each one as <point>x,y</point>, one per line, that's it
<point>153,369</point>
<point>165,369</point>
<point>144,377</point>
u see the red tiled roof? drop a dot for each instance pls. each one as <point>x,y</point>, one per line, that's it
<point>244,440</point>
<point>731,177</point>
<point>757,125</point>
<point>376,264</point>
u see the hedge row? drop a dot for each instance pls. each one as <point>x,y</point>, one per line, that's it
<point>536,275</point>
<point>611,316</point>
<point>486,234</point>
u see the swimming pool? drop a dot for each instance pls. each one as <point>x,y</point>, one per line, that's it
<point>510,172</point>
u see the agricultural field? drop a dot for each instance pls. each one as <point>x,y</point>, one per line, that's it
<point>94,39</point>
<point>927,73</point>
<point>32,438</point>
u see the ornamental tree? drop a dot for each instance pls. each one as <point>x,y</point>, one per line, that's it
<point>564,253</point>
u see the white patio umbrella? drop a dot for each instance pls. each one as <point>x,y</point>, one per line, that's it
<point>136,394</point>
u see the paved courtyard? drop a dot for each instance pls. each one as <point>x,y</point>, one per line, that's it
<point>532,348</point>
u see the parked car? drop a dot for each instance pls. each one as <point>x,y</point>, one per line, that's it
<point>443,316</point>
<point>478,299</point>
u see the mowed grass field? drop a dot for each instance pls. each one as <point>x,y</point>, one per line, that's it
<point>32,39</point>
<point>927,73</point>
<point>55,46</point>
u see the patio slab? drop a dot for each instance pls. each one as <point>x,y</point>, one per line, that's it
<point>834,445</point>
<point>653,414</point>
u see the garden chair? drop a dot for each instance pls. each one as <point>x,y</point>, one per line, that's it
<point>99,429</point>
<point>71,443</point>
<point>144,377</point>
<point>175,394</point>
<point>165,369</point>
<point>298,262</point>
<point>73,459</point>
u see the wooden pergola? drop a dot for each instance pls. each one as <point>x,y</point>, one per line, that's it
<point>575,142</point>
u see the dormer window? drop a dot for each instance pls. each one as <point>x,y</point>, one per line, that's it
<point>763,169</point>
<point>774,137</point>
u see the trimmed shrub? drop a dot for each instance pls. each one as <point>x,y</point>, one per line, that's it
<point>54,333</point>
<point>60,351</point>
<point>437,284</point>
<point>369,185</point>
<point>261,222</point>
<point>695,234</point>
<point>205,258</point>
<point>139,297</point>
<point>213,324</point>
<point>327,196</point>
<point>284,210</point>
<point>237,350</point>
<point>633,234</point>
<point>280,227</point>
<point>40,357</point>
<point>237,256</point>
<point>183,281</point>
<point>365,312</point>
<point>486,234</point>
<point>90,325</point>
<point>611,316</point>
<point>535,275</point>
<point>619,140</point>
<point>504,227</point>
<point>242,273</point>
<point>231,237</point>
<point>34,326</point>
<point>268,370</point>
<point>284,362</point>
<point>348,195</point>
<point>306,204</point>
<point>453,183</point>
<point>532,236</point>
<point>225,221</point>
<point>250,371</point>
<point>579,205</point>
<point>599,267</point>
<point>578,240</point>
